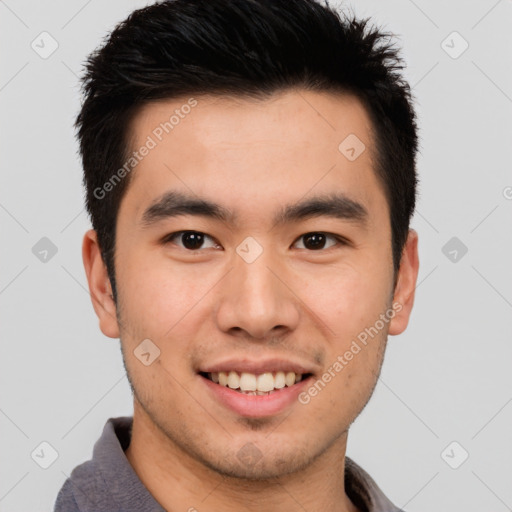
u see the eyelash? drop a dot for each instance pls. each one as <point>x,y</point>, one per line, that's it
<point>341,241</point>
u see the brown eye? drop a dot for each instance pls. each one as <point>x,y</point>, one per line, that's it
<point>316,241</point>
<point>191,240</point>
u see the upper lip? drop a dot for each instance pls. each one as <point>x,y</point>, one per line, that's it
<point>257,366</point>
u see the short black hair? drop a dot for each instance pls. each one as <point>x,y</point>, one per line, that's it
<point>251,48</point>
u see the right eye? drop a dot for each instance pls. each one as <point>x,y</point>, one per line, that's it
<point>190,240</point>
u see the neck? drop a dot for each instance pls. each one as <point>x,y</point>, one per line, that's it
<point>179,482</point>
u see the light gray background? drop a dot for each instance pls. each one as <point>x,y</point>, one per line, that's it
<point>447,378</point>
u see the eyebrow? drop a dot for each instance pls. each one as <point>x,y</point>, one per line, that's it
<point>334,205</point>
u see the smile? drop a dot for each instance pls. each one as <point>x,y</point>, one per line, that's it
<point>255,395</point>
<point>255,384</point>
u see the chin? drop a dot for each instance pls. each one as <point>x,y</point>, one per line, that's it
<point>253,465</point>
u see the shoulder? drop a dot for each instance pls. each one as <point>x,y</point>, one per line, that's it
<point>66,501</point>
<point>85,490</point>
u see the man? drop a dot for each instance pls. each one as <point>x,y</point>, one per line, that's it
<point>250,175</point>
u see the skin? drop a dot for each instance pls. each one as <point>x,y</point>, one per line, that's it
<point>251,156</point>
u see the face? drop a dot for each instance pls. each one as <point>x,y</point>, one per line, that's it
<point>272,290</point>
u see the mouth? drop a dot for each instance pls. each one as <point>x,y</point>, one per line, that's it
<point>255,395</point>
<point>256,388</point>
<point>252,384</point>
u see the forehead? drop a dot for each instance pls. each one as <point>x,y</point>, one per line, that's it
<point>254,153</point>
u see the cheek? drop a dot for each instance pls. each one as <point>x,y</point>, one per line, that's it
<point>350,305</point>
<point>158,295</point>
<point>347,299</point>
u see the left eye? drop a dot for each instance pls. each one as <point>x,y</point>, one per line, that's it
<point>194,240</point>
<point>316,240</point>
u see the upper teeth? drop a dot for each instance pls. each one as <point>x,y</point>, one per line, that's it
<point>252,382</point>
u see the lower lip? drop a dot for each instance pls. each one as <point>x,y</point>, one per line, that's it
<point>256,406</point>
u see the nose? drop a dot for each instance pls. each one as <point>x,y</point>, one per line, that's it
<point>257,299</point>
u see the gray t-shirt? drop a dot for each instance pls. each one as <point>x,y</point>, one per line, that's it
<point>108,483</point>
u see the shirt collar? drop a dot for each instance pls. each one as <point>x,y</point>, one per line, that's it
<point>129,492</point>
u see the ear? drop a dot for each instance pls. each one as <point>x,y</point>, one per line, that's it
<point>405,285</point>
<point>99,285</point>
